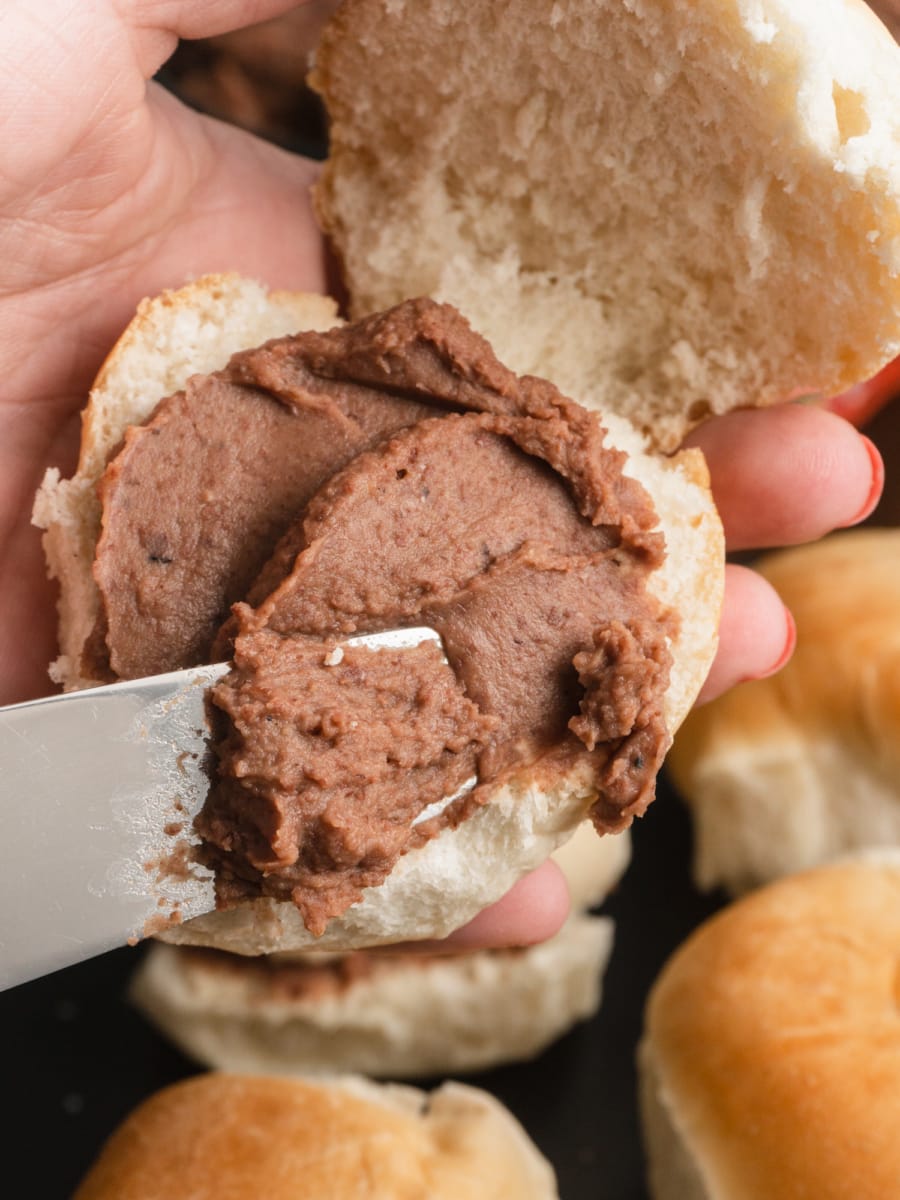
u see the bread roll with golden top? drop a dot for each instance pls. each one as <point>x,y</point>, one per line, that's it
<point>229,1137</point>
<point>771,1054</point>
<point>786,772</point>
<point>387,1016</point>
<point>668,207</point>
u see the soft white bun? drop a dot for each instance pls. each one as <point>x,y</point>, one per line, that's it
<point>669,207</point>
<point>787,772</point>
<point>228,1137</point>
<point>408,1017</point>
<point>399,1016</point>
<point>771,1055</point>
<point>439,887</point>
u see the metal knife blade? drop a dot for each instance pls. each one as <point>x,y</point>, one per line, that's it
<point>100,789</point>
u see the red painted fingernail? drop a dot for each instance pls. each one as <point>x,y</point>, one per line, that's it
<point>877,482</point>
<point>790,643</point>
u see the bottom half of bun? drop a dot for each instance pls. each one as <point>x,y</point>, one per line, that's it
<point>377,1014</point>
<point>437,887</point>
<point>384,1014</point>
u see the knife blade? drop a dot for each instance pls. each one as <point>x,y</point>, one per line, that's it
<point>100,789</point>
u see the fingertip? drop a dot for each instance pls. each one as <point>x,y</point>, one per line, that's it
<point>876,485</point>
<point>757,634</point>
<point>532,911</point>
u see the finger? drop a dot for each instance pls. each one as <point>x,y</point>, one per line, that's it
<point>204,18</point>
<point>157,24</point>
<point>789,474</point>
<point>861,403</point>
<point>756,635</point>
<point>531,912</point>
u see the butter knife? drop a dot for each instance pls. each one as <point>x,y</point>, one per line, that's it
<point>100,789</point>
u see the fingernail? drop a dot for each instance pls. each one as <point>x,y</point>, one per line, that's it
<point>877,484</point>
<point>790,643</point>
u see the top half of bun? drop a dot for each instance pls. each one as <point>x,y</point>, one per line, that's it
<point>224,1137</point>
<point>670,208</point>
<point>772,1044</point>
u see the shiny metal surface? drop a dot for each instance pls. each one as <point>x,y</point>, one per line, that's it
<point>99,791</point>
<point>90,783</point>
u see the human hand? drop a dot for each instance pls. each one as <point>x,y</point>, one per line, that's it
<point>111,190</point>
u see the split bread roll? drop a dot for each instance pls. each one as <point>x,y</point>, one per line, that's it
<point>788,772</point>
<point>387,1016</point>
<point>228,1137</point>
<point>668,208</point>
<point>436,888</point>
<point>771,1054</point>
<point>637,202</point>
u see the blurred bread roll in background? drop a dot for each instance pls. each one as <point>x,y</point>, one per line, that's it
<point>787,772</point>
<point>771,1053</point>
<point>230,1137</point>
<point>386,1014</point>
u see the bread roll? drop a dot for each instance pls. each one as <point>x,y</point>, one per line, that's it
<point>771,1054</point>
<point>668,207</point>
<point>636,201</point>
<point>787,772</point>
<point>388,1016</point>
<point>442,885</point>
<point>228,1137</point>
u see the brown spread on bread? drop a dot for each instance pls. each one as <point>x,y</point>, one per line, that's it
<point>388,473</point>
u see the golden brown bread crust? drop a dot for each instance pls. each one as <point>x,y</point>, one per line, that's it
<point>231,1137</point>
<point>775,1036</point>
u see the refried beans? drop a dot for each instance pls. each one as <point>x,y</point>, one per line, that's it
<point>384,474</point>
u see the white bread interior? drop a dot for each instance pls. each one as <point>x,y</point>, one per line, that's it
<point>669,207</point>
<point>791,771</point>
<point>225,1137</point>
<point>771,1054</point>
<point>407,1017</point>
<point>439,887</point>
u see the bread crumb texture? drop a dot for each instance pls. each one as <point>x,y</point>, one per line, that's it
<point>669,207</point>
